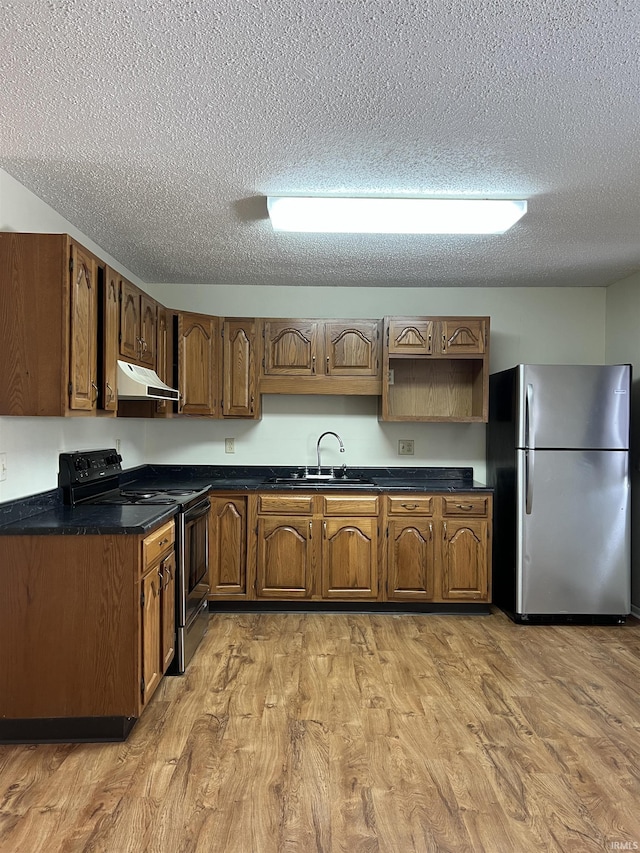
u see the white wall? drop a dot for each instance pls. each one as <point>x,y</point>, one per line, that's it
<point>623,345</point>
<point>527,324</point>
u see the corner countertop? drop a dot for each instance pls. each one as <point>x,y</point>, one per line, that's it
<point>46,514</point>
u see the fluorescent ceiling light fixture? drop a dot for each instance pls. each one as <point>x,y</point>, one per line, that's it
<point>340,215</point>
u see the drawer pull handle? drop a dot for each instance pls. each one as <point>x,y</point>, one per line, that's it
<point>410,506</point>
<point>464,506</point>
<point>162,542</point>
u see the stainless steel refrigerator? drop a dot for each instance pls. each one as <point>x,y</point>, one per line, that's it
<point>558,459</point>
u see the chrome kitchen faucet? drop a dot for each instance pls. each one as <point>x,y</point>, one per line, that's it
<point>335,434</point>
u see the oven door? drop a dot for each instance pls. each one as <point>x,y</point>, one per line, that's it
<point>194,557</point>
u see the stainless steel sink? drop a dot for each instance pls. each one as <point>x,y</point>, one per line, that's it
<point>321,482</point>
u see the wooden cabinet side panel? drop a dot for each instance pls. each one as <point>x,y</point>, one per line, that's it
<point>69,620</point>
<point>34,324</point>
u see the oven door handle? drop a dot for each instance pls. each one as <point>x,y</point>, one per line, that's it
<point>197,512</point>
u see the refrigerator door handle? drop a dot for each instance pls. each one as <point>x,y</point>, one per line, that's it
<point>528,411</point>
<point>528,480</point>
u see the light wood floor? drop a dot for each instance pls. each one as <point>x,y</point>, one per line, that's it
<point>294,733</point>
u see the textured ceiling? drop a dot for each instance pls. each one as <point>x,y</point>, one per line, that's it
<point>158,128</point>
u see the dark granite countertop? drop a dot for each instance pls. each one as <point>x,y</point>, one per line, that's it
<point>253,478</point>
<point>45,513</point>
<point>61,520</point>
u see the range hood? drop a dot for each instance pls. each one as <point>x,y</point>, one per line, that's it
<point>142,383</point>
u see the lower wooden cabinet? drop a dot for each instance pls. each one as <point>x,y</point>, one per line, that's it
<point>93,619</point>
<point>433,554</point>
<point>350,547</point>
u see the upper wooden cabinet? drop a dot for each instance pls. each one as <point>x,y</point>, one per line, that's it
<point>138,325</point>
<point>435,369</point>
<point>321,357</point>
<point>198,364</point>
<point>240,398</point>
<point>49,311</point>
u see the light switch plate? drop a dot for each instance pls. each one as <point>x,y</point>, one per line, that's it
<point>405,447</point>
<point>3,466</point>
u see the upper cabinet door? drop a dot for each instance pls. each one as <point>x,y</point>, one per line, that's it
<point>197,364</point>
<point>148,330</point>
<point>291,347</point>
<point>462,335</point>
<point>110,326</point>
<point>138,325</point>
<point>83,387</point>
<point>409,336</point>
<point>129,320</point>
<point>239,397</point>
<point>352,349</point>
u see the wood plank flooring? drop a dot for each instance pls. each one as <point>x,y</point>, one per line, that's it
<point>302,732</point>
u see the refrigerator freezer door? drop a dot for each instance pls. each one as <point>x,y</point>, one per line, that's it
<point>573,554</point>
<point>573,406</point>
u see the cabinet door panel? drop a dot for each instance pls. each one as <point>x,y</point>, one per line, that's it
<point>197,363</point>
<point>352,350</point>
<point>228,546</point>
<point>410,559</point>
<point>83,345</point>
<point>239,369</point>
<point>284,557</point>
<point>464,560</point>
<point>350,558</point>
<point>110,334</point>
<point>163,355</point>
<point>409,336</point>
<point>462,335</point>
<point>168,608</point>
<point>290,347</point>
<point>151,633</point>
<point>129,320</point>
<point>148,330</point>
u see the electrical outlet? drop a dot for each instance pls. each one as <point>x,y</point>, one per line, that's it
<point>405,447</point>
<point>229,445</point>
<point>3,466</point>
<point>117,442</point>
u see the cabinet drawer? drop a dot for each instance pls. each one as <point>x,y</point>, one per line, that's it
<point>465,505</point>
<point>157,543</point>
<point>350,504</point>
<point>286,504</point>
<point>409,505</point>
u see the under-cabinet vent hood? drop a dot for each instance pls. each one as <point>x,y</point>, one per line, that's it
<point>142,383</point>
